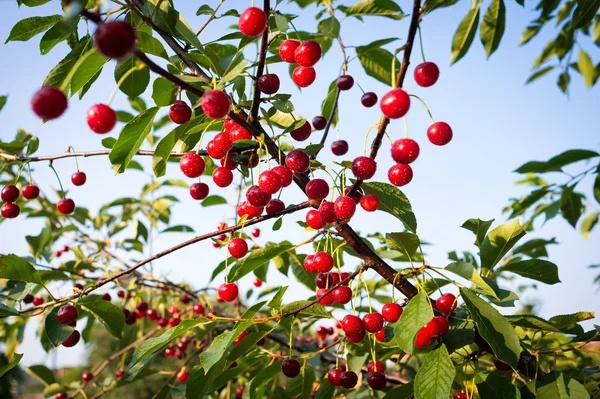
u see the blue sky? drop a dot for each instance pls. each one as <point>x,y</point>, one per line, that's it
<point>498,122</point>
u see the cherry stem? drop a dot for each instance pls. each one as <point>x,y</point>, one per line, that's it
<point>18,175</point>
<point>70,148</point>
<point>405,127</point>
<point>29,174</point>
<point>291,340</point>
<point>368,294</point>
<point>425,105</point>
<point>360,87</point>
<point>62,191</point>
<point>421,44</point>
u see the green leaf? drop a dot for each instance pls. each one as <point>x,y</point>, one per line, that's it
<point>468,272</point>
<point>556,163</point>
<point>3,101</point>
<point>58,33</point>
<point>85,69</point>
<point>407,243</point>
<point>597,186</point>
<point>535,248</point>
<point>434,378</point>
<point>163,92</point>
<point>131,138</point>
<point>132,76</point>
<point>556,385</point>
<point>479,228</point>
<point>495,386</point>
<point>108,314</point>
<point>586,67</point>
<point>261,379</point>
<point>13,267</point>
<point>275,302</point>
<point>498,242</point>
<point>302,276</point>
<point>27,28</point>
<point>316,310</point>
<point>571,205</point>
<point>492,26</point>
<point>584,13</point>
<point>564,79</point>
<point>326,390</point>
<point>13,363</point>
<point>56,332</point>
<point>536,269</point>
<point>416,314</point>
<point>568,321</point>
<point>401,392</point>
<point>377,62</point>
<point>151,45</point>
<point>42,373</point>
<point>494,328</point>
<point>6,311</point>
<point>463,38</point>
<point>214,200</point>
<point>532,321</point>
<point>165,147</point>
<point>375,8</point>
<point>61,74</point>
<point>588,223</point>
<point>256,259</point>
<point>234,72</point>
<point>394,202</point>
<point>539,73</point>
<point>327,105</point>
<point>32,145</point>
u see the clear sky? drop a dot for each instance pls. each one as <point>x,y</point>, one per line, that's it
<point>499,123</point>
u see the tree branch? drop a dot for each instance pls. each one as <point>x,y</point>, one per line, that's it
<point>262,56</point>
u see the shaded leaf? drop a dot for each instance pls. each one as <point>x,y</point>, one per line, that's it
<point>131,138</point>
<point>435,376</point>
<point>416,314</point>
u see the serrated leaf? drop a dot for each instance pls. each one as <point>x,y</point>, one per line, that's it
<point>131,138</point>
<point>435,376</point>
<point>568,321</point>
<point>375,8</point>
<point>463,38</point>
<point>316,310</point>
<point>164,92</point>
<point>394,202</point>
<point>479,228</point>
<point>151,45</point>
<point>85,69</point>
<point>498,242</point>
<point>468,272</point>
<point>495,386</point>
<point>261,379</point>
<point>377,63</point>
<point>13,267</point>
<point>556,163</point>
<point>492,26</point>
<point>132,76</point>
<point>532,321</point>
<point>416,314</point>
<point>556,385</point>
<point>256,259</point>
<point>571,205</point>
<point>56,34</point>
<point>27,28</point>
<point>535,269</point>
<point>406,243</point>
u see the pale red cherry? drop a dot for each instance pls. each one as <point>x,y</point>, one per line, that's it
<point>308,53</point>
<point>215,104</point>
<point>440,133</point>
<point>287,49</point>
<point>101,118</point>
<point>49,103</point>
<point>253,22</point>
<point>395,104</point>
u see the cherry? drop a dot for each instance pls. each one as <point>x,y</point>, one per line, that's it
<point>198,308</point>
<point>391,312</point>
<point>327,212</point>
<point>405,151</point>
<point>323,262</point>
<point>423,339</point>
<point>377,367</point>
<point>309,264</point>
<point>10,193</point>
<point>87,376</point>
<point>255,233</point>
<point>142,306</point>
<point>162,322</point>
<point>297,161</point>
<point>106,297</point>
<point>239,392</point>
<point>304,76</point>
<point>215,104</point>
<point>10,210</point>
<point>119,374</point>
<point>31,192</point>
<point>339,147</point>
<point>348,379</point>
<point>436,327</point>
<point>28,298</point>
<point>229,162</point>
<point>357,195</point>
<point>66,206</point>
<point>37,301</point>
<point>302,133</point>
<point>287,50</point>
<point>199,191</point>
<point>245,208</point>
<point>152,314</point>
<point>344,207</point>
<point>352,325</point>
<point>274,206</point>
<point>308,53</point>
<point>335,277</point>
<point>372,322</point>
<point>342,294</point>
<point>253,22</point>
<point>238,132</point>
<point>440,133</point>
<point>78,178</point>
<point>115,39</point>
<point>183,376</point>
<point>72,339</point>
<point>173,310</point>
<point>369,202</point>
<point>317,189</point>
<point>345,82</point>
<point>395,104</point>
<point>400,175</point>
<point>170,352</point>
<point>313,220</point>
<point>323,280</point>
<point>240,337</point>
<point>380,335</point>
<point>319,122</point>
<point>257,197</point>
<point>67,314</point>
<point>251,160</point>
<point>290,368</point>
<point>369,99</point>
<point>49,103</point>
<point>61,395</point>
<point>324,298</point>
<point>364,168</point>
<point>446,303</point>
<point>269,182</point>
<point>426,74</point>
<point>65,248</point>
<point>257,282</point>
<point>217,149</point>
<point>376,380</point>
<point>269,83</point>
<point>334,377</point>
<point>460,395</point>
<point>101,118</point>
<point>174,321</point>
<point>355,338</point>
<point>237,247</point>
<point>192,165</point>
<point>180,112</point>
<point>228,292</point>
<point>501,366</point>
<point>222,176</point>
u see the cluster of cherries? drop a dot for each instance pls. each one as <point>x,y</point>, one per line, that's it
<point>438,326</point>
<point>10,194</point>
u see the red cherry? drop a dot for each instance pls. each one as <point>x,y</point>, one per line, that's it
<point>257,282</point>
<point>423,339</point>
<point>440,133</point>
<point>78,178</point>
<point>49,103</point>
<point>180,112</point>
<point>222,176</point>
<point>324,298</point>
<point>324,280</point>
<point>101,118</point>
<point>257,197</point>
<point>317,189</point>
<point>31,192</point>
<point>376,381</point>
<point>290,368</point>
<point>287,49</point>
<point>446,303</point>
<point>245,208</point>
<point>395,104</point>
<point>142,306</point>
<point>352,325</point>
<point>255,233</point>
<point>229,162</point>
<point>436,327</point>
<point>327,212</point>
<point>460,395</point>
<point>170,352</point>
<point>369,202</point>
<point>391,312</point>
<point>426,74</point>
<point>344,207</point>
<point>501,366</point>
<point>67,314</point>
<point>253,22</point>
<point>183,376</point>
<point>334,377</point>
<point>345,82</point>
<point>380,335</point>
<point>400,175</point>
<point>173,310</point>
<point>119,374</point>
<point>199,191</point>
<point>152,314</point>
<point>357,195</point>
<point>162,322</point>
<point>65,248</point>
<point>363,168</point>
<point>228,292</point>
<point>65,206</point>
<point>285,174</point>
<point>339,147</point>
<point>274,206</point>
<point>121,294</point>
<point>238,132</point>
<point>373,322</point>
<point>369,99</point>
<point>348,379</point>
<point>269,83</point>
<point>37,301</point>
<point>319,122</point>
<point>308,53</point>
<point>302,133</point>
<point>192,165</point>
<point>215,104</point>
<point>174,321</point>
<point>72,340</point>
<point>198,308</point>
<point>115,39</point>
<point>106,297</point>
<point>405,151</point>
<point>28,298</point>
<point>313,220</point>
<point>342,294</point>
<point>10,193</point>
<point>269,182</point>
<point>377,367</point>
<point>309,264</point>
<point>297,161</point>
<point>87,376</point>
<point>304,76</point>
<point>239,392</point>
<point>61,395</point>
<point>323,262</point>
<point>237,247</point>
<point>218,147</point>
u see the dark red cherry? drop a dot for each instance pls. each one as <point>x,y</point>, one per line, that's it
<point>440,133</point>
<point>345,82</point>
<point>348,379</point>
<point>10,193</point>
<point>257,197</point>
<point>269,83</point>
<point>369,99</point>
<point>115,39</point>
<point>297,161</point>
<point>376,381</point>
<point>290,368</point>
<point>460,395</point>
<point>317,189</point>
<point>67,314</point>
<point>339,147</point>
<point>334,377</point>
<point>395,104</point>
<point>199,191</point>
<point>253,22</point>
<point>400,175</point>
<point>31,192</point>
<point>319,122</point>
<point>87,376</point>
<point>180,112</point>
<point>327,212</point>
<point>304,76</point>
<point>215,104</point>
<point>405,151</point>
<point>101,118</point>
<point>78,178</point>
<point>274,206</point>
<point>301,133</point>
<point>426,74</point>
<point>501,366</point>
<point>308,53</point>
<point>65,206</point>
<point>72,340</point>
<point>49,103</point>
<point>287,49</point>
<point>364,168</point>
